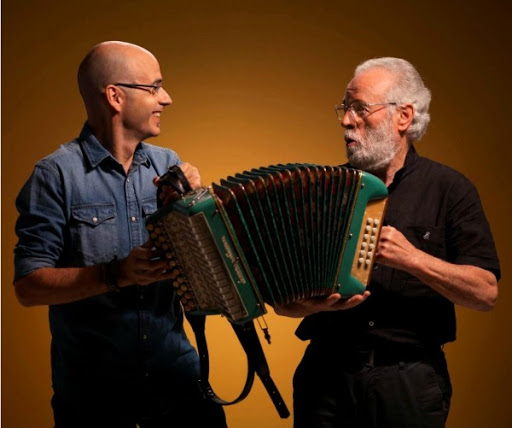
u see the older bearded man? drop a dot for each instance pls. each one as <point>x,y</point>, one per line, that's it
<point>376,360</point>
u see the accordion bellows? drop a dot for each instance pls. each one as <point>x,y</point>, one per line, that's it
<point>271,235</point>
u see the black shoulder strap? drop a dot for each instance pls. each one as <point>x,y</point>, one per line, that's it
<point>175,178</point>
<point>256,362</point>
<point>251,343</point>
<point>198,326</point>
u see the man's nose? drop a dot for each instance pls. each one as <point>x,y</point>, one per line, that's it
<point>348,120</point>
<point>165,98</point>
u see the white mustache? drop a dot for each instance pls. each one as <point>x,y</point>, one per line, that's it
<point>350,135</point>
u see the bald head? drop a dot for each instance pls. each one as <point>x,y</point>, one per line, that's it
<point>107,63</point>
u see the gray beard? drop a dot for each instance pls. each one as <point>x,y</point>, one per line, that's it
<point>375,150</point>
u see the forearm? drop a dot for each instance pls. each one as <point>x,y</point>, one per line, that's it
<point>464,285</point>
<point>53,286</point>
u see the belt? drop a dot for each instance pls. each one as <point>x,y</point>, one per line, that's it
<point>376,355</point>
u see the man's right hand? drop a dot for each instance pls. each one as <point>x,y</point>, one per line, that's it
<point>144,265</point>
<point>333,302</point>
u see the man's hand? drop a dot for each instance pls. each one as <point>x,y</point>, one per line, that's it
<point>168,194</point>
<point>394,250</point>
<point>301,308</point>
<point>191,174</point>
<point>143,266</point>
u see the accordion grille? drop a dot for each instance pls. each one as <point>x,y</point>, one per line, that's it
<point>199,259</point>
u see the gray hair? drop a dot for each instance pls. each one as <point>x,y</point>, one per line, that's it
<point>407,88</point>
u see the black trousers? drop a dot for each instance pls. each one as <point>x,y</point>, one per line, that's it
<point>184,407</point>
<point>372,388</point>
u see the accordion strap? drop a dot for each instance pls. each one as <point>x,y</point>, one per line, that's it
<point>175,178</point>
<point>256,362</point>
<point>249,339</point>
<point>198,326</point>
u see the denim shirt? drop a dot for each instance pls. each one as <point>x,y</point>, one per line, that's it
<point>80,208</point>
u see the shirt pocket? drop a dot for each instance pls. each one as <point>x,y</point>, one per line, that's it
<point>430,239</point>
<point>148,207</point>
<point>94,232</point>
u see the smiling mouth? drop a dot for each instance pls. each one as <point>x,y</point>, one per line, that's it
<point>157,113</point>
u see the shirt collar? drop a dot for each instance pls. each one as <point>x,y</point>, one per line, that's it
<point>410,159</point>
<point>96,153</point>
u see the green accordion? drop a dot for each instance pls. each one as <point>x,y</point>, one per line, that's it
<point>271,235</point>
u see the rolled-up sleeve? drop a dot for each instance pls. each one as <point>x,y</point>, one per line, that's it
<point>469,239</point>
<point>41,222</point>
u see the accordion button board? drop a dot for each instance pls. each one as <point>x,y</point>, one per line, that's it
<point>272,235</point>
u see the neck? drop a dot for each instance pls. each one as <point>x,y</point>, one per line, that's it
<point>387,173</point>
<point>121,145</point>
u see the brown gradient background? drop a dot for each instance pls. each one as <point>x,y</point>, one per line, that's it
<point>254,83</point>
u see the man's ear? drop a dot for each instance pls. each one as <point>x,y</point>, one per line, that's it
<point>405,117</point>
<point>114,97</point>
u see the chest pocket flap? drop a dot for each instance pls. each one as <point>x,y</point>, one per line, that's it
<point>93,214</point>
<point>149,206</point>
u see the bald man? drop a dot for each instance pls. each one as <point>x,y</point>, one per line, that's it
<point>119,354</point>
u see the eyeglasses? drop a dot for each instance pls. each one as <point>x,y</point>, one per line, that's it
<point>357,109</point>
<point>152,89</point>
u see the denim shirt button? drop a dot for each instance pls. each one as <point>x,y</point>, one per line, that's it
<point>134,218</point>
<point>95,219</point>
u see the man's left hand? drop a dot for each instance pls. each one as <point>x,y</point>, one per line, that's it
<point>394,250</point>
<point>168,194</point>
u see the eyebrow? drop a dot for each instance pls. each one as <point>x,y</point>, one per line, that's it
<point>357,100</point>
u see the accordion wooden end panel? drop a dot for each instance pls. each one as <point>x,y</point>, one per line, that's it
<point>366,247</point>
<point>271,235</point>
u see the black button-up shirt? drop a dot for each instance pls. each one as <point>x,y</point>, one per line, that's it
<point>439,211</point>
